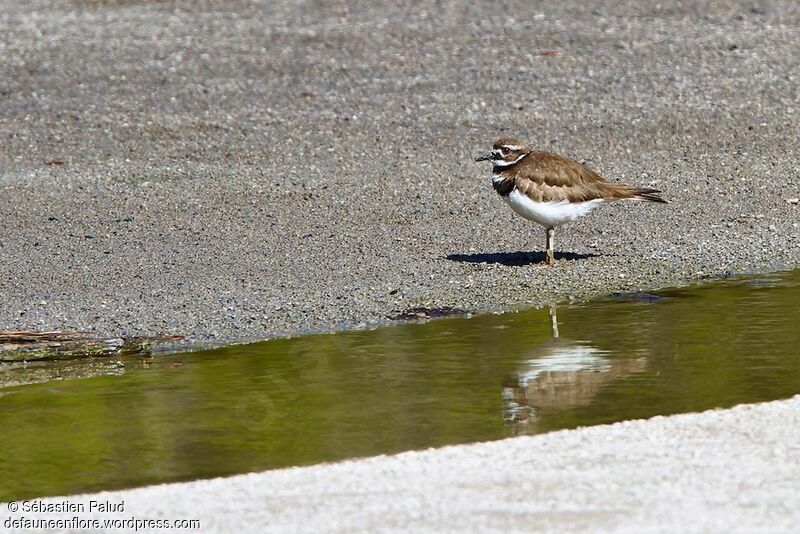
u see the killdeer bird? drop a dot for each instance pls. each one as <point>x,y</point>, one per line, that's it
<point>552,190</point>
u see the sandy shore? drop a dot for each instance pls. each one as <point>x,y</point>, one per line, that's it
<point>721,471</point>
<point>236,170</point>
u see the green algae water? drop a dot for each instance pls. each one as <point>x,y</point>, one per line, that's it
<point>329,397</point>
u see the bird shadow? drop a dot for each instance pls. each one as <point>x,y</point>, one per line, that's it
<point>516,259</point>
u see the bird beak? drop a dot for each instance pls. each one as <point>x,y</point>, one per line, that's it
<point>484,158</point>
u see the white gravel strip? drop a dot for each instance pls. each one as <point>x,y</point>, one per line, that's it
<point>735,470</point>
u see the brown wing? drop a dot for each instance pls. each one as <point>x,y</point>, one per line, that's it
<point>544,177</point>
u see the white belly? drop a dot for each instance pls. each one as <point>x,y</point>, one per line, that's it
<point>550,214</point>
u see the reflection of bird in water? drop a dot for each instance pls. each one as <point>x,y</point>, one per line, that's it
<point>558,374</point>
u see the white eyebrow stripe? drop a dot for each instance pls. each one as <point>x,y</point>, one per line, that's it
<point>501,163</point>
<point>512,147</point>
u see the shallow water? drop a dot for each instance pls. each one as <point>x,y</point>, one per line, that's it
<point>329,397</point>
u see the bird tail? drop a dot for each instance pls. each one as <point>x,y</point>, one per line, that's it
<point>650,195</point>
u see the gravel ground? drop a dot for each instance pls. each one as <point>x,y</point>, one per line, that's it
<point>232,170</point>
<point>722,471</point>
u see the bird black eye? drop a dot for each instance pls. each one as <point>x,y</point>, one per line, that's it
<point>504,150</point>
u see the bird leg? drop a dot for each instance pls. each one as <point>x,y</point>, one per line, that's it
<point>553,320</point>
<point>551,253</point>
